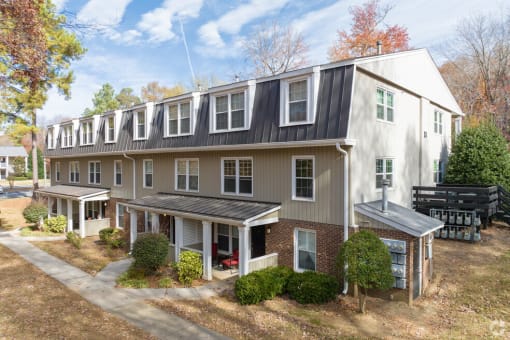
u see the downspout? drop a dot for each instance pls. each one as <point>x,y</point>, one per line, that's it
<point>346,204</point>
<point>134,174</point>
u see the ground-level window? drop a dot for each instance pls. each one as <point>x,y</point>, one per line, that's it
<point>438,171</point>
<point>94,210</point>
<point>303,177</point>
<point>121,210</point>
<point>304,250</point>
<point>147,173</point>
<point>228,238</point>
<point>148,221</point>
<point>383,170</point>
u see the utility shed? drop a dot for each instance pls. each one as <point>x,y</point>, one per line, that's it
<point>409,236</point>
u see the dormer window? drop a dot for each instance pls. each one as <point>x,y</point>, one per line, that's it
<point>87,133</point>
<point>67,136</point>
<point>140,126</point>
<point>109,131</point>
<point>51,140</point>
<point>231,111</point>
<point>178,118</point>
<point>298,97</point>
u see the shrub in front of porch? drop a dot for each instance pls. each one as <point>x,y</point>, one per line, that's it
<point>34,212</point>
<point>74,239</point>
<point>262,285</point>
<point>55,224</point>
<point>150,252</point>
<point>189,267</point>
<point>113,237</point>
<point>312,287</point>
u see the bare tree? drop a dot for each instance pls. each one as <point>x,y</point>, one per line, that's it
<point>275,49</point>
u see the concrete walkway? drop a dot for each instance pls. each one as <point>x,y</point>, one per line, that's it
<point>127,304</point>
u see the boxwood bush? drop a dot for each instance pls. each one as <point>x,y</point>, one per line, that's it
<point>189,267</point>
<point>312,287</point>
<point>150,252</point>
<point>262,285</point>
<point>34,212</point>
<point>113,237</point>
<point>56,224</point>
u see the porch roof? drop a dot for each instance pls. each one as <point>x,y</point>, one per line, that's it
<point>73,192</point>
<point>229,211</point>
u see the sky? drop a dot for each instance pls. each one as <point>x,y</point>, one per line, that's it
<point>138,41</point>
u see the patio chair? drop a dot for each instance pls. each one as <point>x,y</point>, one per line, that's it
<point>232,261</point>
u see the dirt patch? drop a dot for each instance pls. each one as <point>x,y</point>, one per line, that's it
<point>11,212</point>
<point>91,257</point>
<point>34,306</point>
<point>468,298</point>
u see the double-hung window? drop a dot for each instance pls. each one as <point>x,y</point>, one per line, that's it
<point>304,250</point>
<point>303,178</point>
<point>229,111</point>
<point>50,137</point>
<point>120,215</point>
<point>438,171</point>
<point>298,101</point>
<point>298,98</point>
<point>228,238</point>
<point>179,119</point>
<point>385,105</point>
<point>57,171</point>
<point>438,122</point>
<point>237,176</point>
<point>74,172</point>
<point>94,172</point>
<point>186,174</point>
<point>140,125</point>
<point>67,136</point>
<point>117,173</point>
<point>86,133</point>
<point>147,173</point>
<point>109,131</point>
<point>383,170</point>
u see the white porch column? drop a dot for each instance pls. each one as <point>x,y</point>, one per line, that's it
<point>59,206</point>
<point>244,250</point>
<point>50,200</point>
<point>133,225</point>
<point>69,215</point>
<point>82,218</point>
<point>179,226</point>
<point>206,249</point>
<point>155,223</point>
<point>7,166</point>
<point>26,164</point>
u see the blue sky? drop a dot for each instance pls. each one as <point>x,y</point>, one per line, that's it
<point>141,41</point>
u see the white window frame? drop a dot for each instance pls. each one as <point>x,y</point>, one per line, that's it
<point>230,238</point>
<point>115,168</point>
<point>294,196</point>
<point>229,110</point>
<point>57,172</point>
<point>135,125</point>
<point>147,217</point>
<point>179,118</point>
<point>67,136</point>
<point>118,208</point>
<point>296,249</point>
<point>51,138</point>
<point>385,105</point>
<point>312,77</point>
<point>144,173</point>
<point>438,122</point>
<point>237,159</point>
<point>95,172</point>
<point>187,160</point>
<point>75,164</point>
<point>385,173</point>
<point>108,128</point>
<point>439,171</point>
<point>87,132</point>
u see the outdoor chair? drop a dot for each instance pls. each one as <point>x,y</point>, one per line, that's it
<point>232,261</point>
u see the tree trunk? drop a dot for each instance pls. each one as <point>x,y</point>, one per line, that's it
<point>362,300</point>
<point>35,169</point>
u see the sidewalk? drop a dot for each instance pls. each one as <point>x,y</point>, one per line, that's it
<point>127,304</point>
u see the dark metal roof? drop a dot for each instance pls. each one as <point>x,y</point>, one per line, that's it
<point>399,217</point>
<point>205,206</point>
<point>332,118</point>
<point>72,191</point>
<point>13,151</point>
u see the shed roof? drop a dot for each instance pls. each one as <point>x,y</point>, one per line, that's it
<point>399,217</point>
<point>13,151</point>
<point>72,191</point>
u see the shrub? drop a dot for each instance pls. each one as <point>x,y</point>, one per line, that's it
<point>248,290</point>
<point>189,267</point>
<point>34,212</point>
<point>312,287</point>
<point>262,285</point>
<point>165,282</point>
<point>150,252</point>
<point>74,239</point>
<point>133,278</point>
<point>113,237</point>
<point>56,224</point>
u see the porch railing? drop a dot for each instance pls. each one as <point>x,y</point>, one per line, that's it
<point>262,262</point>
<point>92,227</point>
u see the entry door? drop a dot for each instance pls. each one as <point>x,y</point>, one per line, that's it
<point>258,241</point>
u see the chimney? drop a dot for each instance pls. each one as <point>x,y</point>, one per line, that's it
<point>379,47</point>
<point>385,184</point>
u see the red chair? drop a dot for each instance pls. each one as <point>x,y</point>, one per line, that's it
<point>215,253</point>
<point>232,261</point>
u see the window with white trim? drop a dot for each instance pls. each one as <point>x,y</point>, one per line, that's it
<point>438,171</point>
<point>438,122</point>
<point>67,136</point>
<point>385,105</point>
<point>237,176</point>
<point>57,171</point>
<point>140,125</point>
<point>50,137</point>
<point>117,173</point>
<point>383,170</point>
<point>120,212</point>
<point>228,238</point>
<point>74,172</point>
<point>109,130</point>
<point>298,97</point>
<point>148,222</point>
<point>229,111</point>
<point>305,246</point>
<point>94,172</point>
<point>147,173</point>
<point>178,119</point>
<point>95,209</point>
<point>303,178</point>
<point>86,135</point>
<point>298,100</point>
<point>186,174</point>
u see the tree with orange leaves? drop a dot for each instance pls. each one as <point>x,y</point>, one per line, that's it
<point>365,32</point>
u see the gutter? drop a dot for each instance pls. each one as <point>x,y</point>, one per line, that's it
<point>134,173</point>
<point>346,204</point>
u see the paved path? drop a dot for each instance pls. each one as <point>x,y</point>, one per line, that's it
<point>125,303</point>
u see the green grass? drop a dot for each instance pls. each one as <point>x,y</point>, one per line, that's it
<point>32,231</point>
<point>133,278</point>
<point>165,282</point>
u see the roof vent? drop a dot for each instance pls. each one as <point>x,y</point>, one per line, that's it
<point>379,47</point>
<point>385,184</point>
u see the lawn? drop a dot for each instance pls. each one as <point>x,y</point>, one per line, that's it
<point>468,298</point>
<point>34,306</point>
<point>91,257</point>
<point>11,212</point>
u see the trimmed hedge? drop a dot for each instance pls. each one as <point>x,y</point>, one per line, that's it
<point>56,224</point>
<point>312,287</point>
<point>34,212</point>
<point>262,285</point>
<point>150,252</point>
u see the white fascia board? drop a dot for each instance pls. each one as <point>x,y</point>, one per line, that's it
<point>231,87</point>
<point>118,120</point>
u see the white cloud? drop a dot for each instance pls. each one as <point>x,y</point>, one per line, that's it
<point>103,13</point>
<point>59,4</point>
<point>158,23</point>
<point>233,21</point>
